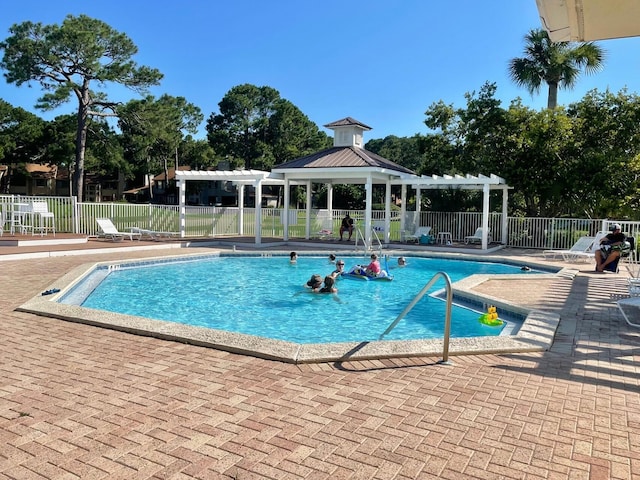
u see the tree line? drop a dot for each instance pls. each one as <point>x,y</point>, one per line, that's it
<point>578,160</point>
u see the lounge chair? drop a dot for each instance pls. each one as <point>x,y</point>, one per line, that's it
<point>154,234</point>
<point>627,306</point>
<point>325,220</point>
<point>110,231</point>
<point>589,254</point>
<point>477,237</point>
<point>583,244</point>
<point>417,235</point>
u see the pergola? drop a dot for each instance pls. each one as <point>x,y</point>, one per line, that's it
<point>336,175</point>
<point>347,162</point>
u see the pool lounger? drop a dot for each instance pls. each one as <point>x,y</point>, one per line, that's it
<point>632,304</point>
<point>153,234</point>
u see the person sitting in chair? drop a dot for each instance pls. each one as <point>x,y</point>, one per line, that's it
<point>610,248</point>
<point>346,226</point>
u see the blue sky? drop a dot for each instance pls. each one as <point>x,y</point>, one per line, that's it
<point>381,62</point>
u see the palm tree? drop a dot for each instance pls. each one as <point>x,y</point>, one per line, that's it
<point>558,64</point>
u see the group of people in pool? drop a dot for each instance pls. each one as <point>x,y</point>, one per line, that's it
<point>316,282</point>
<point>327,285</point>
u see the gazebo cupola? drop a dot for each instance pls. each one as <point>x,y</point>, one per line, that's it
<point>348,132</point>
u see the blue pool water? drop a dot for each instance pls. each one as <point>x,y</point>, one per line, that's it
<point>265,296</point>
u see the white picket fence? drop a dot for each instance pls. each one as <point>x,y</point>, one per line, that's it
<point>204,221</point>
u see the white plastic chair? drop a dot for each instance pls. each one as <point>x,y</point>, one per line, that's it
<point>583,244</point>
<point>631,304</point>
<point>420,231</point>
<point>326,224</point>
<point>477,237</point>
<point>44,219</point>
<point>110,231</point>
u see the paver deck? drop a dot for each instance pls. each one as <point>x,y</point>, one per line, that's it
<point>82,402</point>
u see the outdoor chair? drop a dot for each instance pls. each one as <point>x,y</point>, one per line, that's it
<point>582,245</point>
<point>325,220</point>
<point>477,237</point>
<point>42,219</point>
<point>630,308</point>
<point>154,234</point>
<point>417,235</point>
<point>110,231</point>
<point>590,254</point>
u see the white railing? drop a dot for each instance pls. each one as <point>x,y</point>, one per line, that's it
<point>205,221</point>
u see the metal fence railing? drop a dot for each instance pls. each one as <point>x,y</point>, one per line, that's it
<point>205,221</point>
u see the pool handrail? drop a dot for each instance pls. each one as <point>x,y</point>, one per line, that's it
<point>447,315</point>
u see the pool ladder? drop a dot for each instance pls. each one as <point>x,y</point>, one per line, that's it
<point>447,315</point>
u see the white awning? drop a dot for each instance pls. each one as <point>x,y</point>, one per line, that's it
<point>588,20</point>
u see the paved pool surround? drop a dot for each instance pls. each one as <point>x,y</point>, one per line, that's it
<point>536,333</point>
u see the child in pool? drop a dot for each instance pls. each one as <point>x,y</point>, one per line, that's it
<point>329,282</point>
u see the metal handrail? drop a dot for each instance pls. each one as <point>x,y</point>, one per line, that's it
<point>361,237</point>
<point>375,235</point>
<point>447,316</point>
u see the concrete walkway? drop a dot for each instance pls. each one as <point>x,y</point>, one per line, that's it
<point>79,402</point>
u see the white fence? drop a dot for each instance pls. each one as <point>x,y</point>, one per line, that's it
<point>524,232</point>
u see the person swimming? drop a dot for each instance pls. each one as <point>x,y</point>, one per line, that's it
<point>339,269</point>
<point>329,282</point>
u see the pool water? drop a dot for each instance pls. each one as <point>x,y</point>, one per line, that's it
<point>266,297</point>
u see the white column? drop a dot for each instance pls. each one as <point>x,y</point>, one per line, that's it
<point>241,209</point>
<point>387,212</point>
<point>418,202</point>
<point>287,186</point>
<point>182,194</point>
<point>485,216</point>
<point>330,198</point>
<point>505,215</point>
<point>403,207</point>
<point>258,211</point>
<point>368,188</point>
<point>308,208</point>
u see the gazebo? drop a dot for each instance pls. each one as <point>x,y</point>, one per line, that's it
<point>347,162</point>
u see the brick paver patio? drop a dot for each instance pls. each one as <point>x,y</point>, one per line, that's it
<point>79,402</point>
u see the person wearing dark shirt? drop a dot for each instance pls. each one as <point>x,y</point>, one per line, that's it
<point>346,226</point>
<point>610,248</point>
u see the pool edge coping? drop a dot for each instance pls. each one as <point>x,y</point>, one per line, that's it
<point>535,334</point>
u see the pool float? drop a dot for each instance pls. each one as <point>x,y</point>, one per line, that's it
<point>357,272</point>
<point>491,317</point>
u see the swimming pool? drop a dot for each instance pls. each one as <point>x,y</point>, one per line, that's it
<point>264,296</point>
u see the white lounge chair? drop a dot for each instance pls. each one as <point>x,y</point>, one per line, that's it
<point>154,234</point>
<point>583,244</point>
<point>420,231</point>
<point>325,220</point>
<point>110,231</point>
<point>589,254</point>
<point>477,237</point>
<point>628,307</point>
